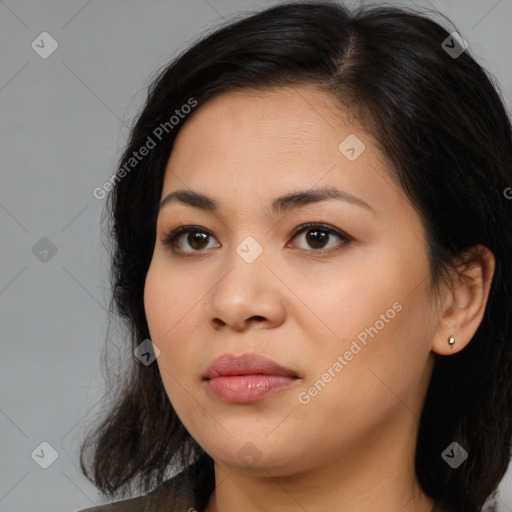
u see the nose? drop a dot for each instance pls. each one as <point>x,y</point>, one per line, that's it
<point>248,294</point>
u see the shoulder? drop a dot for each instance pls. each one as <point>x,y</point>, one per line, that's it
<point>173,494</point>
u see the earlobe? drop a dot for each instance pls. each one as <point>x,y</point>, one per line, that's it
<point>466,300</point>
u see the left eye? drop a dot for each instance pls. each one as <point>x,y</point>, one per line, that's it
<point>317,236</point>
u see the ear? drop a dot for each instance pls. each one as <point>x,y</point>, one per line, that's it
<point>464,301</point>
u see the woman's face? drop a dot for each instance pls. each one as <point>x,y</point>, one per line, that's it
<point>348,316</point>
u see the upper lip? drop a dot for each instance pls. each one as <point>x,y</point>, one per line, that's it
<point>246,364</point>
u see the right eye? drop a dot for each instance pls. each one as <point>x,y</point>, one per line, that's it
<point>197,239</point>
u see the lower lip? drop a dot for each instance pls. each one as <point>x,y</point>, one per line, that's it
<point>247,388</point>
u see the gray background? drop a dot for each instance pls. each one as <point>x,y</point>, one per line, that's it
<point>63,126</point>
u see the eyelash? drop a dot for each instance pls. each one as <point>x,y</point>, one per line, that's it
<point>171,238</point>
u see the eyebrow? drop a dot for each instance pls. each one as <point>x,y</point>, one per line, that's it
<point>280,205</point>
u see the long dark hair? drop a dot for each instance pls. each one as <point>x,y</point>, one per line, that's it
<point>440,120</point>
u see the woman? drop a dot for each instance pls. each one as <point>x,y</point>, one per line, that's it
<point>311,232</point>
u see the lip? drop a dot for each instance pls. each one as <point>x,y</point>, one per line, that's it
<point>246,364</point>
<point>246,378</point>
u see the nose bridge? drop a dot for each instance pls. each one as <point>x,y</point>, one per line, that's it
<point>245,268</point>
<point>244,291</point>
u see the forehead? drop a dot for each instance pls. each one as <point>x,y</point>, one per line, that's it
<point>285,118</point>
<point>252,144</point>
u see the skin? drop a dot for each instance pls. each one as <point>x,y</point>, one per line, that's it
<point>351,447</point>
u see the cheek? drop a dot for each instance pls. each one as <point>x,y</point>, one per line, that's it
<point>375,319</point>
<point>376,380</point>
<point>168,300</point>
<point>169,305</point>
<point>344,306</point>
<point>164,309</point>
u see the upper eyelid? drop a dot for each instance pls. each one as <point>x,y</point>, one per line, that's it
<point>321,226</point>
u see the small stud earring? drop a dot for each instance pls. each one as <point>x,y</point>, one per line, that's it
<point>451,341</point>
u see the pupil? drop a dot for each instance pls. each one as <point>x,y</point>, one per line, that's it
<point>196,237</point>
<point>317,237</point>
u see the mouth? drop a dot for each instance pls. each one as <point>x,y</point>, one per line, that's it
<point>246,378</point>
<point>246,364</point>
